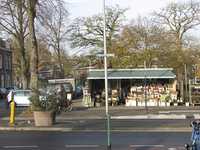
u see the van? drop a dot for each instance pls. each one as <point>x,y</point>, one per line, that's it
<point>67,85</point>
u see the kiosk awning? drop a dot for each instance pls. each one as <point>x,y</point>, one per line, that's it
<point>132,73</point>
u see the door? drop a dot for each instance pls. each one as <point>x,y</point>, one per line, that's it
<point>21,98</point>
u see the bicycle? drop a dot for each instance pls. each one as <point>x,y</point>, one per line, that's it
<point>67,106</point>
<point>194,137</point>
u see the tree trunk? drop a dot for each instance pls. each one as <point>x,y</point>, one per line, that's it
<point>180,70</point>
<point>20,38</point>
<point>23,66</point>
<point>33,43</point>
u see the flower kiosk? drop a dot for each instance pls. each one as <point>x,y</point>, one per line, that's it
<point>160,89</point>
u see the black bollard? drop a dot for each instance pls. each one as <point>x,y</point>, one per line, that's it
<point>109,147</point>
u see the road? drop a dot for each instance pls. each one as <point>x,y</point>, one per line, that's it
<point>76,140</point>
<point>135,139</point>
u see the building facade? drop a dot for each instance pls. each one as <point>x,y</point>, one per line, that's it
<point>47,72</point>
<point>5,63</point>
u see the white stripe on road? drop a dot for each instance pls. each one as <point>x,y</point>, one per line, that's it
<point>81,145</point>
<point>178,111</point>
<point>146,145</point>
<point>19,146</point>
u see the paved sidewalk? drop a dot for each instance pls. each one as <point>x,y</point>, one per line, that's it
<point>80,112</point>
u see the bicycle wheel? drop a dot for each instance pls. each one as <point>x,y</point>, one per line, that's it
<point>64,107</point>
<point>70,107</point>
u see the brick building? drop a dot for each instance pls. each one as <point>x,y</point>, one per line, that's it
<point>5,63</point>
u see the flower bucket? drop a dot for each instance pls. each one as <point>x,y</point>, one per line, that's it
<point>97,104</point>
<point>133,103</point>
<point>168,103</point>
<point>187,104</point>
<point>162,104</point>
<point>128,103</point>
<point>175,104</point>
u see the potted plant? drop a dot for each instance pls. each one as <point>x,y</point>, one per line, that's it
<point>46,104</point>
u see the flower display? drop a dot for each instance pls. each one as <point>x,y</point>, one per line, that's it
<point>173,91</point>
<point>97,96</point>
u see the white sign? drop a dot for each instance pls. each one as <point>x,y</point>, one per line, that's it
<point>105,55</point>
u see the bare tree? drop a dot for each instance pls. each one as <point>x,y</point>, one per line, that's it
<point>87,32</point>
<point>179,18</point>
<point>30,7</point>
<point>54,20</point>
<point>14,21</point>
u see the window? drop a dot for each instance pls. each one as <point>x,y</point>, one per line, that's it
<point>27,93</point>
<point>8,81</point>
<point>19,93</point>
<point>2,80</point>
<point>3,44</point>
<point>6,62</point>
<point>0,61</point>
<point>9,62</point>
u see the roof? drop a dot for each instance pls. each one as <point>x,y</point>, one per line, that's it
<point>48,68</point>
<point>132,73</point>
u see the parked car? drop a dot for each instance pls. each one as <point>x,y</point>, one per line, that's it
<point>80,86</point>
<point>79,90</point>
<point>10,88</point>
<point>20,97</point>
<point>3,93</point>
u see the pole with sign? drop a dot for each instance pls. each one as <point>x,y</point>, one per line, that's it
<point>106,78</point>
<point>106,74</point>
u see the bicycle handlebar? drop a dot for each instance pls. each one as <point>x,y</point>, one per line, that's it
<point>194,125</point>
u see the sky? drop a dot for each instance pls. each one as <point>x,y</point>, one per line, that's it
<point>80,8</point>
<point>84,8</point>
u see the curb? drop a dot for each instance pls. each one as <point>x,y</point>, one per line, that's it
<point>35,128</point>
<point>149,116</point>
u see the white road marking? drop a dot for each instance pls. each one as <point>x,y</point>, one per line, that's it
<point>179,111</point>
<point>82,121</point>
<point>67,121</point>
<point>81,145</point>
<point>146,145</point>
<point>19,146</point>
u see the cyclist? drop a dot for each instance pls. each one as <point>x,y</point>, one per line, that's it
<point>195,133</point>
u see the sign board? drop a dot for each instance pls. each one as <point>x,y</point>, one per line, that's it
<point>105,55</point>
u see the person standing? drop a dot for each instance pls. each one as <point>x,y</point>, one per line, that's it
<point>62,93</point>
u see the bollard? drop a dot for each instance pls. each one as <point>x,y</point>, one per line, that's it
<point>12,112</point>
<point>109,144</point>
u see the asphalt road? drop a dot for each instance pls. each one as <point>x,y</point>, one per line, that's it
<point>92,140</point>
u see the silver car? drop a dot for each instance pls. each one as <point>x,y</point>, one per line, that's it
<point>20,97</point>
